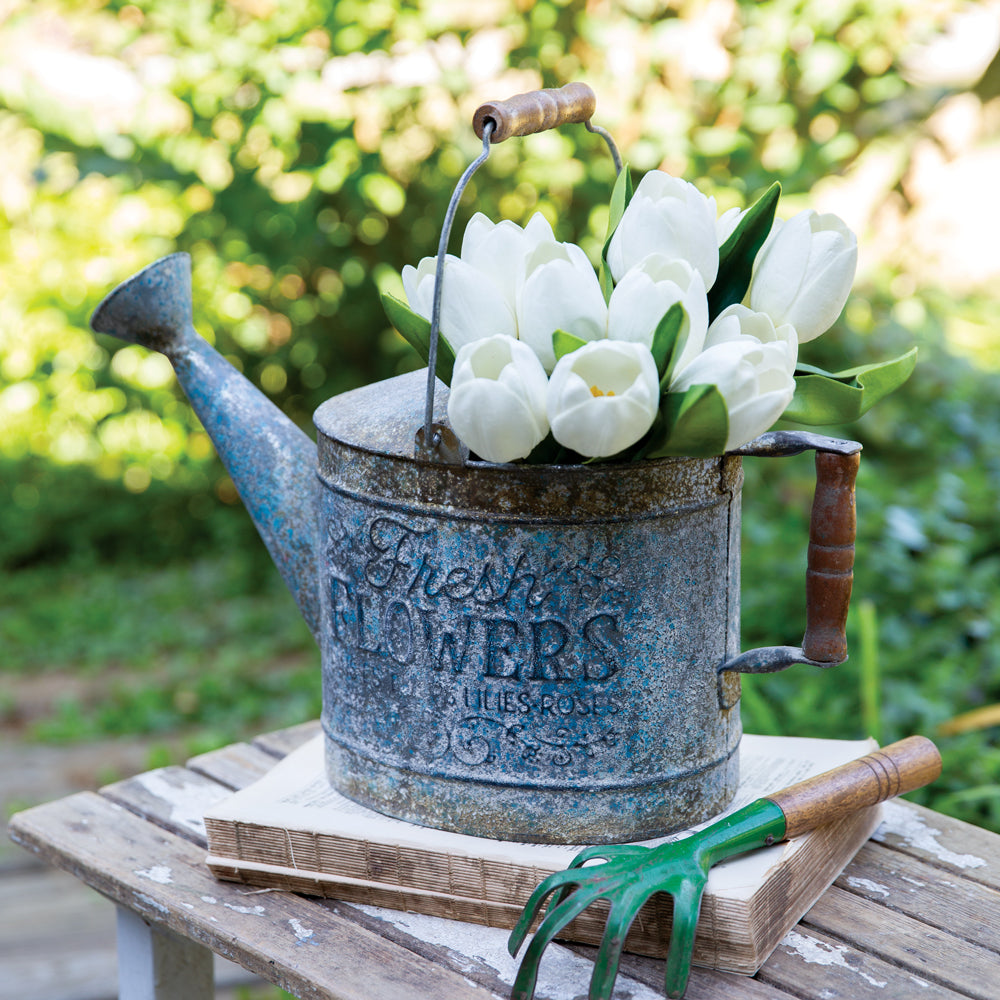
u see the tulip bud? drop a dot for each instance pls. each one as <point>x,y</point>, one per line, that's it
<point>500,250</point>
<point>753,378</point>
<point>738,323</point>
<point>603,397</point>
<point>497,400</point>
<point>803,273</point>
<point>560,292</point>
<point>645,293</point>
<point>669,216</point>
<point>472,305</point>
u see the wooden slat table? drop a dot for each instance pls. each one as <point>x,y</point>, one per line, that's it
<point>916,914</point>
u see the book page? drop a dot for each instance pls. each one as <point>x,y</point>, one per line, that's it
<point>296,795</point>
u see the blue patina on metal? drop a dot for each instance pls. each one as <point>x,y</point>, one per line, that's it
<point>271,461</point>
<point>536,653</point>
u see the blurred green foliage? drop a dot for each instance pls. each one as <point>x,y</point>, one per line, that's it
<point>302,153</point>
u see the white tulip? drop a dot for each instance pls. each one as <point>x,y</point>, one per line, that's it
<point>560,291</point>
<point>669,216</point>
<point>500,250</point>
<point>803,273</point>
<point>603,397</point>
<point>497,400</point>
<point>473,306</point>
<point>738,323</point>
<point>753,378</point>
<point>647,291</point>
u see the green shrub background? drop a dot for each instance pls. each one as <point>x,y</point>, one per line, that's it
<point>302,153</point>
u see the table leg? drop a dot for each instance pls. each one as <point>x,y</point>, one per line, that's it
<point>156,964</point>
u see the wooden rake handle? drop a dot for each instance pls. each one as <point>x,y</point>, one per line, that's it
<point>536,111</point>
<point>895,769</point>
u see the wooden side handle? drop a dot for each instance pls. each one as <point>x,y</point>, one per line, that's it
<point>830,571</point>
<point>893,770</point>
<point>536,111</point>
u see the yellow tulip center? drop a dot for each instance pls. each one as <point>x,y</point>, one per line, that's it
<point>594,391</point>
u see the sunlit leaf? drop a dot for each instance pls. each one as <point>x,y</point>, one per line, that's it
<point>416,331</point>
<point>620,197</point>
<point>840,397</point>
<point>565,343</point>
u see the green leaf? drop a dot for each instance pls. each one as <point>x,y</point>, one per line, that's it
<point>565,343</point>
<point>693,423</point>
<point>620,197</point>
<point>667,344</point>
<point>838,398</point>
<point>416,331</point>
<point>737,254</point>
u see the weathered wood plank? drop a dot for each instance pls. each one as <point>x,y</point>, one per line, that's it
<point>484,961</point>
<point>303,947</point>
<point>929,952</point>
<point>173,798</point>
<point>902,883</point>
<point>941,841</point>
<point>481,953</point>
<point>704,984</point>
<point>284,741</point>
<point>809,964</point>
<point>235,766</point>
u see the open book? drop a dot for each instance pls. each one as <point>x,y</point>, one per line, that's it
<point>291,830</point>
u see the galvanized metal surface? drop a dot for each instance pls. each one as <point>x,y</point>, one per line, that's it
<point>271,461</point>
<point>524,652</point>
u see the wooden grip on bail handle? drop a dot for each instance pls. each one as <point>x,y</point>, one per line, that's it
<point>536,111</point>
<point>895,769</point>
<point>830,570</point>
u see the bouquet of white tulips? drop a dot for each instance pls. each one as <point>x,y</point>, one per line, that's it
<point>685,341</point>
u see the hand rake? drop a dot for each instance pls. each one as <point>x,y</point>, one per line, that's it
<point>630,874</point>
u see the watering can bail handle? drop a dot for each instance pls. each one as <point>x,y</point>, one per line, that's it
<point>830,564</point>
<point>536,111</point>
<point>493,122</point>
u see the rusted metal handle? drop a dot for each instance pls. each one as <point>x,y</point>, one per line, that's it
<point>536,111</point>
<point>898,768</point>
<point>830,571</point>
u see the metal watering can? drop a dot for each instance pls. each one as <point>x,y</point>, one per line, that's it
<point>522,652</point>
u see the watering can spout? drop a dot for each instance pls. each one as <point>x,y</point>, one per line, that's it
<point>271,461</point>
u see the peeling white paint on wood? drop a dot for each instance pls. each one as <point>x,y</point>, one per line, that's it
<point>867,883</point>
<point>146,904</point>
<point>160,874</point>
<point>909,826</point>
<point>303,934</point>
<point>921,983</point>
<point>253,911</point>
<point>563,974</point>
<point>189,800</point>
<point>821,953</point>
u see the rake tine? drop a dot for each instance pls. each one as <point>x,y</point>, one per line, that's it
<point>562,881</point>
<point>554,922</point>
<point>623,913</point>
<point>687,906</point>
<point>610,854</point>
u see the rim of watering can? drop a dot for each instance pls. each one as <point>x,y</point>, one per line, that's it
<point>493,123</point>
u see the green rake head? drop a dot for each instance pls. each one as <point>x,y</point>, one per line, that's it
<point>628,875</point>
